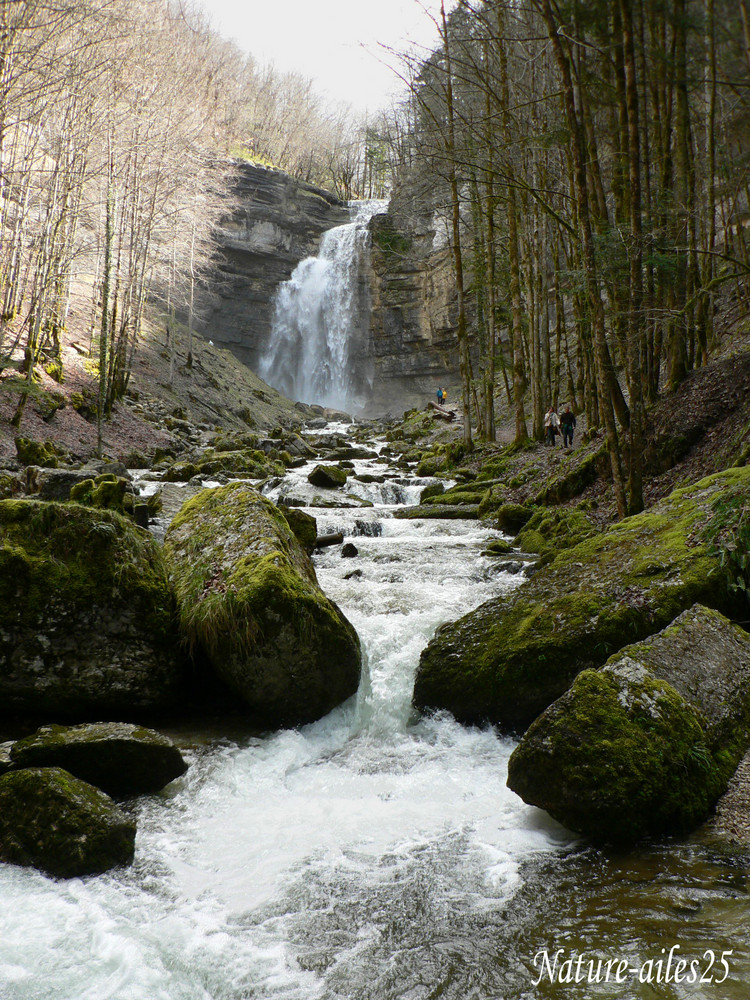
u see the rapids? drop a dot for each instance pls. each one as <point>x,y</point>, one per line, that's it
<point>375,854</point>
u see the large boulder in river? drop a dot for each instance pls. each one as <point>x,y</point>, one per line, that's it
<point>87,617</point>
<point>509,659</point>
<point>646,745</point>
<point>328,477</point>
<point>66,827</point>
<point>120,758</point>
<point>248,596</point>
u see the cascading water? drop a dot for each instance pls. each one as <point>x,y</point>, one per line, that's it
<point>317,350</point>
<point>375,854</point>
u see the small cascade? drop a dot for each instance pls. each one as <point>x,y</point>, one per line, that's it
<point>317,351</point>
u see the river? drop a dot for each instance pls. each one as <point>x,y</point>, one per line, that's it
<point>375,854</point>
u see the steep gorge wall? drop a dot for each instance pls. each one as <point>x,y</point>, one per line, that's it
<point>413,294</point>
<point>275,223</point>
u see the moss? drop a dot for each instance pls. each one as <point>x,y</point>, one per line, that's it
<point>40,453</point>
<point>248,596</point>
<point>619,758</point>
<point>328,476</point>
<point>458,497</point>
<point>106,491</point>
<point>509,659</point>
<point>87,556</point>
<point>304,526</point>
<point>64,826</point>
<point>548,532</point>
<point>507,517</point>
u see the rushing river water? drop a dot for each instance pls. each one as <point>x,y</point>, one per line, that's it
<point>376,854</point>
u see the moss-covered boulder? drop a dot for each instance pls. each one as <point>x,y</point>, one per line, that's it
<point>42,453</point>
<point>304,526</point>
<point>509,659</point>
<point>646,745</point>
<point>450,512</point>
<point>120,758</point>
<point>548,532</point>
<point>248,596</point>
<point>107,491</point>
<point>328,477</point>
<point>507,517</point>
<point>87,617</point>
<point>433,490</point>
<point>61,825</point>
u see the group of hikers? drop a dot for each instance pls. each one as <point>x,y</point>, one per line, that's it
<point>442,396</point>
<point>554,425</point>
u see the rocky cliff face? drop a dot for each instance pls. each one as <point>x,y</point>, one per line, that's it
<point>413,323</point>
<point>276,223</point>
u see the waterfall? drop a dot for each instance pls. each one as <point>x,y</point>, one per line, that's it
<point>317,351</point>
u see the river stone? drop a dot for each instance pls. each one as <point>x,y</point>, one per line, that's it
<point>513,656</point>
<point>303,525</point>
<point>248,596</point>
<point>61,825</point>
<point>329,477</point>
<point>87,617</point>
<point>648,744</point>
<point>120,758</point>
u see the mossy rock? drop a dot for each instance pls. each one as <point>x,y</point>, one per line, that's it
<point>61,825</point>
<point>509,659</point>
<point>450,512</point>
<point>457,497</point>
<point>433,490</point>
<point>85,403</point>
<point>618,756</point>
<point>120,758</point>
<point>106,491</point>
<point>87,617</point>
<point>42,453</point>
<point>548,532</point>
<point>328,477</point>
<point>574,477</point>
<point>431,464</point>
<point>507,517</point>
<point>304,526</point>
<point>249,598</point>
<point>498,547</point>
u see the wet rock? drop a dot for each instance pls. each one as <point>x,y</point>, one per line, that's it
<point>87,617</point>
<point>329,477</point>
<point>646,745</point>
<point>509,659</point>
<point>453,512</point>
<point>120,758</point>
<point>354,575</point>
<point>304,526</point>
<point>249,598</point>
<point>61,825</point>
<point>349,550</point>
<point>433,490</point>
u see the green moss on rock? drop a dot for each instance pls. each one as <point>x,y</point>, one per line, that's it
<point>248,596</point>
<point>509,659</point>
<point>329,477</point>
<point>304,526</point>
<point>119,758</point>
<point>548,532</point>
<point>42,453</point>
<point>87,618</point>
<point>618,757</point>
<point>61,825</point>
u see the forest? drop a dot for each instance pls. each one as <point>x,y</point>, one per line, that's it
<point>590,162</point>
<point>120,122</point>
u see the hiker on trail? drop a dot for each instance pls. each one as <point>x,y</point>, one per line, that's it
<point>551,426</point>
<point>440,396</point>
<point>445,396</point>
<point>568,425</point>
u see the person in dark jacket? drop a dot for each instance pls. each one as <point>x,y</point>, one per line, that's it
<point>568,425</point>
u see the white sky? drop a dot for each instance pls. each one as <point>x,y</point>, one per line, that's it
<point>334,42</point>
